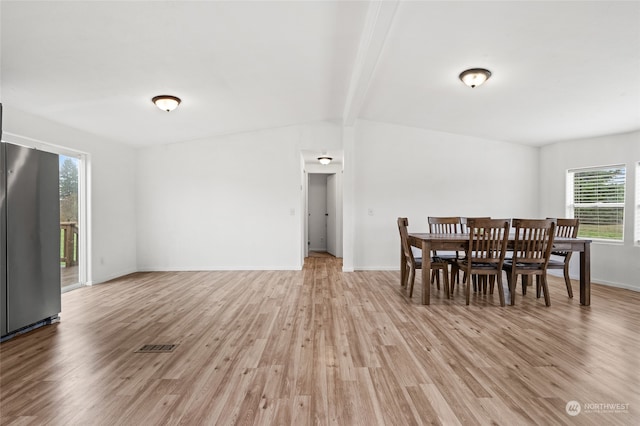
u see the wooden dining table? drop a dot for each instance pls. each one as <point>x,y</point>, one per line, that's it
<point>459,242</point>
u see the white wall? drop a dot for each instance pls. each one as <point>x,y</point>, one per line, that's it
<point>402,171</point>
<point>198,205</point>
<point>231,202</point>
<point>112,197</point>
<point>611,263</point>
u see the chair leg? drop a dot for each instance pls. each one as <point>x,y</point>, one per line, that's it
<point>404,277</point>
<point>445,279</point>
<point>455,276</point>
<point>525,282</point>
<point>465,281</point>
<point>412,279</point>
<point>567,280</point>
<point>545,289</point>
<point>500,289</point>
<point>467,290</point>
<point>492,282</point>
<point>511,278</point>
<point>537,286</point>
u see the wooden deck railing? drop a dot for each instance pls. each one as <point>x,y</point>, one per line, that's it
<point>69,243</point>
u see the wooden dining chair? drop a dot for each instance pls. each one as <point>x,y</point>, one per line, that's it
<point>465,229</point>
<point>412,263</point>
<point>531,252</point>
<point>446,225</point>
<point>485,254</point>
<point>565,228</point>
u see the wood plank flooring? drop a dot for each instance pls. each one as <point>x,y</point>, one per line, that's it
<point>320,346</point>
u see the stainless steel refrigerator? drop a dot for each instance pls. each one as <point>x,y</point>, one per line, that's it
<point>29,238</point>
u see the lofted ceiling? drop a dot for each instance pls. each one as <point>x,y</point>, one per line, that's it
<point>561,70</point>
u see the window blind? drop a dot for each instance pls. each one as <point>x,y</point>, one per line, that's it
<point>596,197</point>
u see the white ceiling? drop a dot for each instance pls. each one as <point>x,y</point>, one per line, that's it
<point>561,70</point>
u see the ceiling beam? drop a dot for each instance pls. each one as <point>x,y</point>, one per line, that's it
<point>379,19</point>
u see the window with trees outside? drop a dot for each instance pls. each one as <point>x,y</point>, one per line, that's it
<point>69,229</point>
<point>596,197</point>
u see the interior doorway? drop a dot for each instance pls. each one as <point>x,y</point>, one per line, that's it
<point>324,214</point>
<point>318,213</point>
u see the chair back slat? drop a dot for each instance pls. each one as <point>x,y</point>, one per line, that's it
<point>566,228</point>
<point>487,240</point>
<point>444,225</point>
<point>533,241</point>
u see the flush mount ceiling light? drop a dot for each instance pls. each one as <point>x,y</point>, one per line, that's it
<point>166,102</point>
<point>474,77</point>
<point>324,160</point>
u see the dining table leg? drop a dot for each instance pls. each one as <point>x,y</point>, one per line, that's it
<point>585,274</point>
<point>426,269</point>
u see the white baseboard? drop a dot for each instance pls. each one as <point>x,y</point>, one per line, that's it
<point>112,276</point>
<point>614,284</point>
<point>377,268</point>
<point>217,268</point>
<point>595,280</point>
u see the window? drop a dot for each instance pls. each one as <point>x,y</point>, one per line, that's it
<point>596,197</point>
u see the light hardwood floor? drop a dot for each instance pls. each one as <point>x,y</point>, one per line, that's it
<point>322,347</point>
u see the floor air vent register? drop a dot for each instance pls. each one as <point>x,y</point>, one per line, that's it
<point>156,348</point>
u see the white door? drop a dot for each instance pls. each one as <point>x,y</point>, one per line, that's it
<point>332,214</point>
<point>317,212</point>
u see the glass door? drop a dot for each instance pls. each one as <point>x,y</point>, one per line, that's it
<point>70,252</point>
